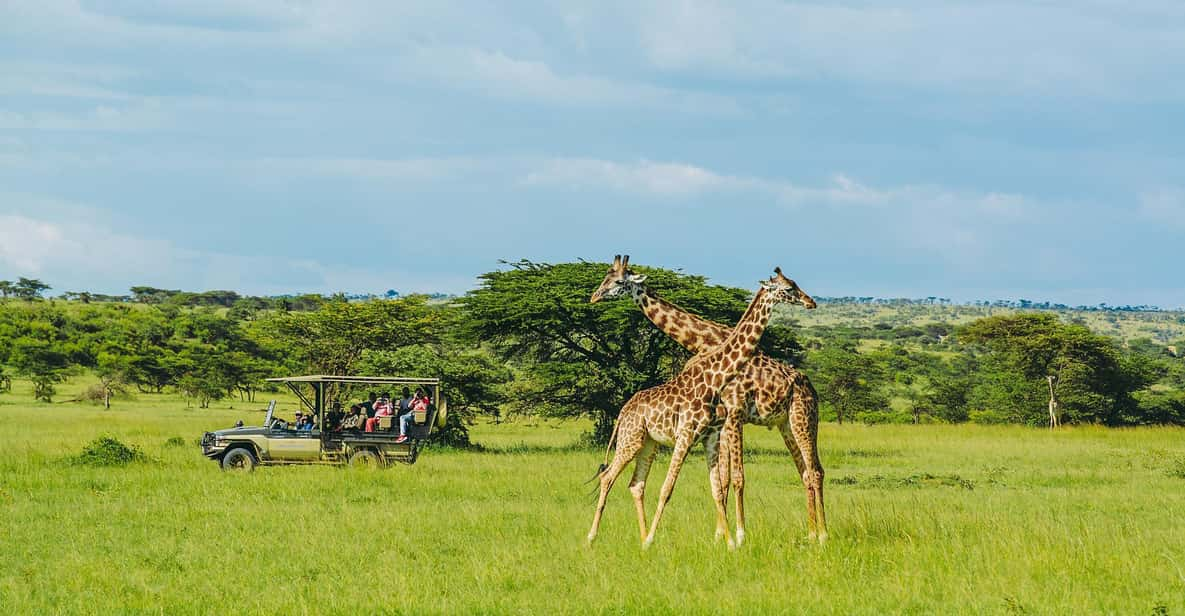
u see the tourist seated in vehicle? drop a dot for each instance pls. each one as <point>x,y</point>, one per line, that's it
<point>306,424</point>
<point>368,404</point>
<point>419,403</point>
<point>405,401</point>
<point>297,421</point>
<point>382,408</point>
<point>353,420</point>
<point>334,419</point>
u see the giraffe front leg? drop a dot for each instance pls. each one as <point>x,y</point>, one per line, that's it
<point>718,458</point>
<point>682,445</point>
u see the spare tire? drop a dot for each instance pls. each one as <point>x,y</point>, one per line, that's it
<point>442,413</point>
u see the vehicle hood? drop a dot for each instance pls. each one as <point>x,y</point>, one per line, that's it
<point>244,431</point>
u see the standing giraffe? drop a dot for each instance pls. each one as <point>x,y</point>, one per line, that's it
<point>682,411</point>
<point>768,393</point>
<point>1053,402</point>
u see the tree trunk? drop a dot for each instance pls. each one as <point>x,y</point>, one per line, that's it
<point>106,397</point>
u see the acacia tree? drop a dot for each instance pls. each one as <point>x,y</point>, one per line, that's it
<point>29,288</point>
<point>1093,381</point>
<point>577,358</point>
<point>6,288</point>
<point>43,362</point>
<point>848,382</point>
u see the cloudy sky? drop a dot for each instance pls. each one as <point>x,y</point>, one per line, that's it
<point>971,150</point>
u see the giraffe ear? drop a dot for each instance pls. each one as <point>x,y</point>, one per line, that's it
<point>637,278</point>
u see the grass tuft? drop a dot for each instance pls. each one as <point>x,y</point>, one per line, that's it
<point>1177,467</point>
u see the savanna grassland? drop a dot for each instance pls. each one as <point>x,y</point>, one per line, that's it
<point>923,519</point>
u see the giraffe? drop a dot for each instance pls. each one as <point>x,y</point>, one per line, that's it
<point>1053,402</point>
<point>768,393</point>
<point>682,411</point>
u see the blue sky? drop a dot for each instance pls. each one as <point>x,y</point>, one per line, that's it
<point>968,150</point>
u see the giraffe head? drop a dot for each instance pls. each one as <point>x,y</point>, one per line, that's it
<point>618,281</point>
<point>786,291</point>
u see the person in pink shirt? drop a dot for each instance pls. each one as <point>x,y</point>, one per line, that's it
<point>419,403</point>
<point>382,408</point>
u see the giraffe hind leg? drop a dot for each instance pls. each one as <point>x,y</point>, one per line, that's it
<point>718,457</point>
<point>796,454</point>
<point>638,481</point>
<point>804,423</point>
<point>733,436</point>
<point>628,446</point>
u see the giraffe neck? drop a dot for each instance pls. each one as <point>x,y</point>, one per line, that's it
<point>736,350</point>
<point>690,331</point>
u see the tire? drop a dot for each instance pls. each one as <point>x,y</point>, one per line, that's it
<point>239,459</point>
<point>365,458</point>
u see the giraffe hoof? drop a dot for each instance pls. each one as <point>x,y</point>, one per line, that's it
<point>731,545</point>
<point>822,538</point>
<point>740,536</point>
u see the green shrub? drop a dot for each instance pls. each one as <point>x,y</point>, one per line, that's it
<point>175,441</point>
<point>987,417</point>
<point>108,451</point>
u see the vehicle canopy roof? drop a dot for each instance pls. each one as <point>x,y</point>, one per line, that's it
<point>319,382</point>
<point>360,380</point>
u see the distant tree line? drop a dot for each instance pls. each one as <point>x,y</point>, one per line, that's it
<point>526,341</point>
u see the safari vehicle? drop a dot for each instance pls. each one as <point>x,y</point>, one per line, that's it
<point>279,442</point>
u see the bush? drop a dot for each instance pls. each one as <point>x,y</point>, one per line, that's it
<point>175,441</point>
<point>987,417</point>
<point>109,451</point>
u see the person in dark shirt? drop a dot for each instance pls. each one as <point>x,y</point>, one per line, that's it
<point>368,406</point>
<point>405,402</point>
<point>335,417</point>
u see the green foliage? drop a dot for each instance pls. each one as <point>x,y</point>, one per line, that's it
<point>848,382</point>
<point>473,382</point>
<point>579,358</point>
<point>1094,381</point>
<point>331,339</point>
<point>108,451</point>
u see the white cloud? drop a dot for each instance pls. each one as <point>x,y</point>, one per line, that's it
<point>1108,50</point>
<point>957,225</point>
<point>499,75</point>
<point>72,247</point>
<point>406,169</point>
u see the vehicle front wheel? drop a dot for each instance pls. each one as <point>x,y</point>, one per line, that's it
<point>365,458</point>
<point>239,459</point>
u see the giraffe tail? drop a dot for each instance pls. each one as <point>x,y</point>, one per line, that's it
<point>609,447</point>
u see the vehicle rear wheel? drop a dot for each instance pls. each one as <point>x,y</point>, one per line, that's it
<point>239,459</point>
<point>365,458</point>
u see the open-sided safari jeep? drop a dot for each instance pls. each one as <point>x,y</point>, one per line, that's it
<point>332,441</point>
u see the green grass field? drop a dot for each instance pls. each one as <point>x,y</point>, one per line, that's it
<point>929,519</point>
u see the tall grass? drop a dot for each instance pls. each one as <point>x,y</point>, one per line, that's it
<point>930,519</point>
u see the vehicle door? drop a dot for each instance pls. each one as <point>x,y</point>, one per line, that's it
<point>294,445</point>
